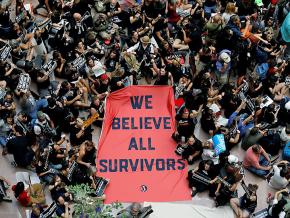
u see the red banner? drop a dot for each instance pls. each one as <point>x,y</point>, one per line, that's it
<point>136,151</point>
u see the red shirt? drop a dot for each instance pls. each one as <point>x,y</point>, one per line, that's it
<point>251,158</point>
<point>23,198</point>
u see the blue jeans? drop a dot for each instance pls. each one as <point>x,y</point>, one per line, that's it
<point>3,141</point>
<point>55,166</point>
<point>263,162</point>
<point>209,10</point>
<point>41,103</point>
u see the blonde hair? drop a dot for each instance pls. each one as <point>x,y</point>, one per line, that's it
<point>230,8</point>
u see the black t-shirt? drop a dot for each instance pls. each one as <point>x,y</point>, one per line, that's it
<point>39,169</point>
<point>176,72</point>
<point>110,64</point>
<point>114,81</point>
<point>102,88</point>
<point>43,85</point>
<point>56,114</point>
<point>5,112</point>
<point>210,3</point>
<point>135,25</point>
<point>20,148</point>
<point>53,156</point>
<point>207,124</point>
<point>112,8</point>
<point>190,149</point>
<point>196,42</point>
<point>81,7</point>
<point>60,209</point>
<point>185,125</point>
<point>77,141</point>
<point>68,94</point>
<point>150,10</point>
<point>5,18</point>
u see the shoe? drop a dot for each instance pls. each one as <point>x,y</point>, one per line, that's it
<point>193,193</point>
<point>7,199</point>
<point>4,152</point>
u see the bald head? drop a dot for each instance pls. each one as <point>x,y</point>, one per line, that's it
<point>77,16</point>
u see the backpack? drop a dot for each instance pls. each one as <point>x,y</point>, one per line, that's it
<point>262,70</point>
<point>286,152</point>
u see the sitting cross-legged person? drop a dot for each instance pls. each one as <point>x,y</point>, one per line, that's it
<point>257,161</point>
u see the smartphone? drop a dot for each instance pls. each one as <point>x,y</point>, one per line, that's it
<point>182,139</point>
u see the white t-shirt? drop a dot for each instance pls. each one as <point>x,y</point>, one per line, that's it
<point>276,181</point>
<point>284,136</point>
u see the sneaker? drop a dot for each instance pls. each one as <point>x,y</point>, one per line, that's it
<point>13,163</point>
<point>193,193</point>
<point>7,199</point>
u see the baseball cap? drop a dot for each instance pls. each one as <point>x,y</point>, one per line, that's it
<point>225,57</point>
<point>232,159</point>
<point>37,130</point>
<point>274,2</point>
<point>103,77</point>
<point>259,3</point>
<point>40,114</point>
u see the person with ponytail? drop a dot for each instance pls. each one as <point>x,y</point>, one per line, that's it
<point>29,196</point>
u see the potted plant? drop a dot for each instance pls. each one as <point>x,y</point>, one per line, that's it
<point>86,205</point>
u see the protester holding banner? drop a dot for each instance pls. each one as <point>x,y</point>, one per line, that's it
<point>192,150</point>
<point>203,178</point>
<point>185,125</point>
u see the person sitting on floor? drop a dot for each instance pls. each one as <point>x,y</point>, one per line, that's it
<point>257,161</point>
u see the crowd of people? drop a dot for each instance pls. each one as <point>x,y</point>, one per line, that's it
<point>227,61</point>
